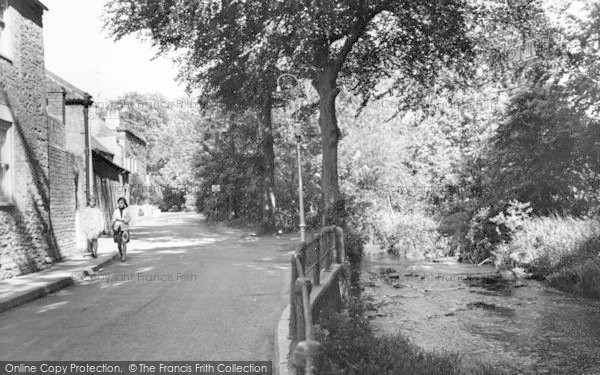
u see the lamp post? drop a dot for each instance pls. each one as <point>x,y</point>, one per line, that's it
<point>298,136</point>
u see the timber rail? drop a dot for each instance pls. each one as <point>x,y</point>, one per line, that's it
<point>318,286</point>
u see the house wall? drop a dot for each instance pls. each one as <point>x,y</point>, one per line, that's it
<point>64,181</point>
<point>110,185</point>
<point>67,170</point>
<point>26,236</point>
<point>137,151</point>
<point>107,135</point>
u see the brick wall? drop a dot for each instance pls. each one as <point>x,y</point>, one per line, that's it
<point>26,236</point>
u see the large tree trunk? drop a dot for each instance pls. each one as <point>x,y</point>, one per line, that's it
<point>268,178</point>
<point>332,204</point>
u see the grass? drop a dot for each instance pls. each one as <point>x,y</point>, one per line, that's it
<point>562,250</point>
<point>351,348</point>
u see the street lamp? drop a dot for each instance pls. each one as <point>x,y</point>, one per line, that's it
<point>298,136</point>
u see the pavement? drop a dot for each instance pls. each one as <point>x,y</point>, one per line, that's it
<point>22,289</point>
<point>188,291</point>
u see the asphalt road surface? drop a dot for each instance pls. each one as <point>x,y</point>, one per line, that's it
<point>188,291</point>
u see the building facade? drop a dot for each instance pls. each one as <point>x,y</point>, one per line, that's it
<point>67,162</point>
<point>47,168</point>
<point>135,158</point>
<point>27,239</point>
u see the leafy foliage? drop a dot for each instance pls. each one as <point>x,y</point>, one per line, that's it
<point>231,160</point>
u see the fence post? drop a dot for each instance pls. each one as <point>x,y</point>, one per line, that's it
<point>339,244</point>
<point>331,249</point>
<point>300,333</point>
<point>306,265</point>
<point>306,355</point>
<point>317,267</point>
<point>293,317</point>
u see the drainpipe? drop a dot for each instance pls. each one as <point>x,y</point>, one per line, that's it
<point>86,102</point>
<point>88,144</point>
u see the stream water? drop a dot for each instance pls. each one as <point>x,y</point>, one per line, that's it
<point>522,326</point>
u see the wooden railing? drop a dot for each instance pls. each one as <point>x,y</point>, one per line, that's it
<point>312,257</point>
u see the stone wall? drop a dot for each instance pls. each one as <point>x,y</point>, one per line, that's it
<point>26,236</point>
<point>136,150</point>
<point>63,199</point>
<point>66,126</point>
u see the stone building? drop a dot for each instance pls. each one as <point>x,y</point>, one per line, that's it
<point>65,105</point>
<point>135,158</point>
<point>111,177</point>
<point>44,173</point>
<point>70,109</point>
<point>27,239</point>
<point>135,153</point>
<point>110,180</point>
<point>129,149</point>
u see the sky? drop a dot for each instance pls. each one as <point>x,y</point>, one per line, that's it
<point>79,51</point>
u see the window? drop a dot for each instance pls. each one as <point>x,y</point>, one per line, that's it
<point>6,172</point>
<point>5,42</point>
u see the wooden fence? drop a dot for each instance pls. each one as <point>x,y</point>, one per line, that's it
<point>311,258</point>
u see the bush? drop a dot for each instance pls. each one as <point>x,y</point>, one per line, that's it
<point>413,235</point>
<point>172,201</point>
<point>139,193</point>
<point>581,278</point>
<point>489,227</point>
<point>544,243</point>
<point>562,250</point>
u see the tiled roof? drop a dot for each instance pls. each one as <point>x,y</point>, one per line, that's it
<point>99,158</point>
<point>100,129</point>
<point>134,133</point>
<point>96,145</point>
<point>75,92</point>
<point>40,4</point>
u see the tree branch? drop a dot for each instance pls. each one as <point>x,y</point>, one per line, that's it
<point>364,16</point>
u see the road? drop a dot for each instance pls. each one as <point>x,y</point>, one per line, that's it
<point>188,291</point>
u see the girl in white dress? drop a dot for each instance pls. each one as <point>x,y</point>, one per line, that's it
<point>92,222</point>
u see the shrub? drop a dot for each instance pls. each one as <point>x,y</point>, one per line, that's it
<point>562,250</point>
<point>581,278</point>
<point>489,227</point>
<point>544,243</point>
<point>173,200</point>
<point>412,234</point>
<point>139,190</point>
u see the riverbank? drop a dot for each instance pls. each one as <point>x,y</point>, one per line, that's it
<point>516,326</point>
<point>563,251</point>
<point>352,347</point>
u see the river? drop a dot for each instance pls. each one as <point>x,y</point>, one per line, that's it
<point>521,326</point>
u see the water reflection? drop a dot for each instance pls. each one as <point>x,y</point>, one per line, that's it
<point>520,326</point>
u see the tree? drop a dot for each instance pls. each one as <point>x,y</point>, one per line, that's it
<point>239,48</point>
<point>362,41</point>
<point>545,150</point>
<point>221,55</point>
